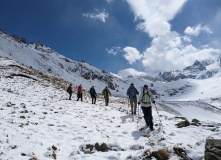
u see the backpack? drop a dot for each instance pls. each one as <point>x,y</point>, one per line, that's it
<point>68,90</point>
<point>144,94</point>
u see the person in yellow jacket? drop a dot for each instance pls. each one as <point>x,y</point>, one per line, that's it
<point>145,99</point>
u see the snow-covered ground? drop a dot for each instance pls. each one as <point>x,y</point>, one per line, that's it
<point>37,121</point>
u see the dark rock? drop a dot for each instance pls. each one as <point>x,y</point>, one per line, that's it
<point>89,146</point>
<point>54,148</point>
<point>213,149</point>
<point>181,153</point>
<point>103,147</point>
<point>19,39</point>
<point>183,124</point>
<point>195,121</point>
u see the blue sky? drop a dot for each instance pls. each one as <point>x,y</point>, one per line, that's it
<point>120,36</point>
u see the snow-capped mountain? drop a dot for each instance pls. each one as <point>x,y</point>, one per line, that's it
<point>41,57</point>
<point>182,85</point>
<point>199,70</point>
<point>39,123</point>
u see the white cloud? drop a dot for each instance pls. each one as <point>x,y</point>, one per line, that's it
<point>195,31</point>
<point>166,55</point>
<point>154,15</point>
<point>99,15</point>
<point>131,71</point>
<point>114,50</point>
<point>169,50</point>
<point>187,39</point>
<point>132,54</point>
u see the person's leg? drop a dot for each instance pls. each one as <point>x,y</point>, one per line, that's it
<point>150,117</point>
<point>131,104</point>
<point>145,110</point>
<point>135,105</point>
<point>95,99</point>
<point>78,96</point>
<point>69,96</point>
<point>81,97</point>
<point>106,102</point>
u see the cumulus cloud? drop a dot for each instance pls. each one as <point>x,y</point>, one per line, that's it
<point>114,50</point>
<point>173,58</point>
<point>131,71</point>
<point>169,50</point>
<point>98,15</point>
<point>131,54</point>
<point>154,15</point>
<point>195,31</point>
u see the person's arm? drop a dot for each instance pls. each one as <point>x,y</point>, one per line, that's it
<point>128,94</point>
<point>109,92</point>
<point>151,96</point>
<point>137,92</point>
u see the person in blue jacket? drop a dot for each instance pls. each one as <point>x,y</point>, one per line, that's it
<point>93,95</point>
<point>132,95</point>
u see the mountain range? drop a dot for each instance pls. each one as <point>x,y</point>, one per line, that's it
<point>41,57</point>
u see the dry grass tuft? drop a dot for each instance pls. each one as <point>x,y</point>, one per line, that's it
<point>161,154</point>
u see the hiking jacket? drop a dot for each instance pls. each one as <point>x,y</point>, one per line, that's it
<point>132,92</point>
<point>69,90</point>
<point>80,89</point>
<point>106,92</point>
<point>145,98</point>
<point>93,92</point>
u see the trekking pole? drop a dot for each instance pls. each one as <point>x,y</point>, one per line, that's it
<point>159,118</point>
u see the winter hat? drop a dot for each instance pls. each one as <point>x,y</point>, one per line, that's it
<point>145,86</point>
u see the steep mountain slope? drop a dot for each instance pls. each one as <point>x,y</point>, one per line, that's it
<point>188,84</point>
<point>38,122</point>
<point>44,58</point>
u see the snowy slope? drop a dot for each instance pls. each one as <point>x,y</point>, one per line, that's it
<point>38,122</point>
<point>204,87</point>
<point>44,58</point>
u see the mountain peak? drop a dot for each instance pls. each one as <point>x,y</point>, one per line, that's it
<point>196,67</point>
<point>19,39</point>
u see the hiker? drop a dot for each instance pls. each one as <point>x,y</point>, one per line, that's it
<point>106,94</point>
<point>93,94</point>
<point>146,97</point>
<point>132,95</point>
<point>69,90</point>
<point>79,95</point>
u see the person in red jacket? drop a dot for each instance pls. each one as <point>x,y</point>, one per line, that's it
<point>79,95</point>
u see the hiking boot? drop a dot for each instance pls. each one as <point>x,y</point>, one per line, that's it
<point>151,128</point>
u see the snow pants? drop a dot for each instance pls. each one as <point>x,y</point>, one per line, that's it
<point>93,99</point>
<point>147,111</point>
<point>79,96</point>
<point>70,94</point>
<point>133,103</point>
<point>106,98</point>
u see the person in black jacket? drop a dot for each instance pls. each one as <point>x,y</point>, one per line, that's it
<point>93,94</point>
<point>69,90</point>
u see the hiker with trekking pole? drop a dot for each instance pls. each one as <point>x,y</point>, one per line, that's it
<point>106,93</point>
<point>145,99</point>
